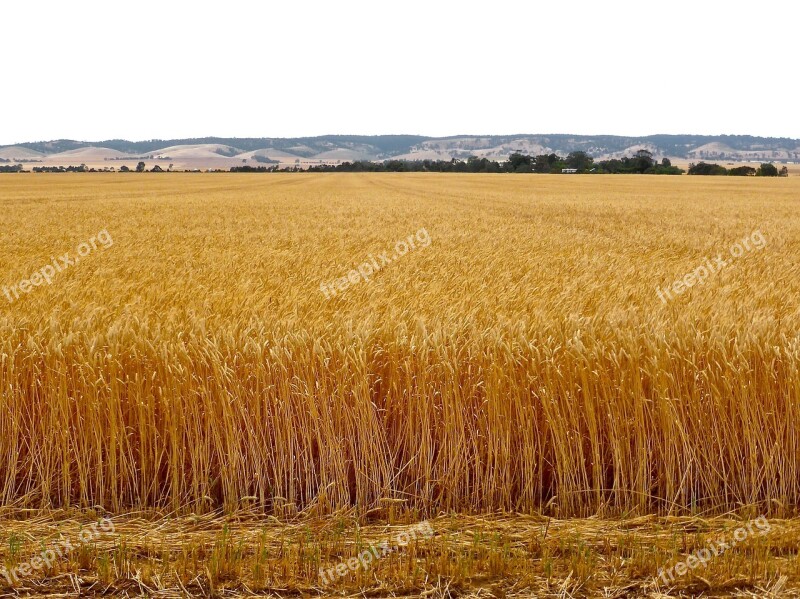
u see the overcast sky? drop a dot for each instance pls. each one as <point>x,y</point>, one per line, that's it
<point>143,70</point>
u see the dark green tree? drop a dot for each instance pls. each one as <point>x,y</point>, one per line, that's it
<point>519,163</point>
<point>579,160</point>
<point>703,168</point>
<point>643,161</point>
<point>767,170</point>
<point>742,171</point>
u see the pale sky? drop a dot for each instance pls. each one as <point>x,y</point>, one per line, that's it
<point>142,70</point>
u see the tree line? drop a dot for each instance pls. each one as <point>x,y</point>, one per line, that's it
<point>765,170</point>
<point>140,168</point>
<point>575,162</point>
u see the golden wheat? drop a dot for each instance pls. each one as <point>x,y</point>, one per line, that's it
<point>523,361</point>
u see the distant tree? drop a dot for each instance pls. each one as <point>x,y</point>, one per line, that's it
<point>519,163</point>
<point>140,167</point>
<point>704,168</point>
<point>661,169</point>
<point>541,164</point>
<point>742,171</point>
<point>170,167</point>
<point>643,161</point>
<point>784,172</point>
<point>767,170</point>
<point>124,169</point>
<point>666,162</point>
<point>579,160</point>
<point>156,169</point>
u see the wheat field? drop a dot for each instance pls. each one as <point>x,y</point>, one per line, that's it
<point>521,361</point>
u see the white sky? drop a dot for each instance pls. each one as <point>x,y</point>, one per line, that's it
<point>141,70</point>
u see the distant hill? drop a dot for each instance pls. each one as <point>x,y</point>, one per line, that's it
<point>223,152</point>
